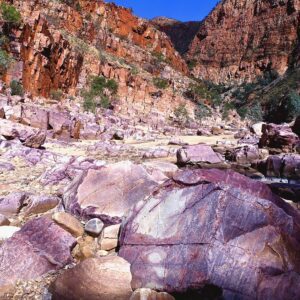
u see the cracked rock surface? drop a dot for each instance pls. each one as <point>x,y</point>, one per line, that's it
<point>212,227</point>
<point>38,247</point>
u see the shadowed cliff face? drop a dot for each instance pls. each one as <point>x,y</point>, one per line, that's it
<point>240,40</point>
<point>180,33</point>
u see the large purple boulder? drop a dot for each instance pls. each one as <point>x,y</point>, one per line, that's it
<point>39,247</point>
<point>109,192</point>
<point>214,228</point>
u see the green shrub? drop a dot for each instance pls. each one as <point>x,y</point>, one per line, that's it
<point>16,88</point>
<point>242,111</point>
<point>160,83</point>
<point>96,97</point>
<point>255,112</point>
<point>192,64</point>
<point>181,113</point>
<point>99,83</point>
<point>56,94</point>
<point>134,70</point>
<point>89,103</point>
<point>105,102</point>
<point>202,111</point>
<point>291,106</point>
<point>5,61</point>
<point>226,108</point>
<point>158,56</point>
<point>112,85</point>
<point>10,14</point>
<point>204,90</point>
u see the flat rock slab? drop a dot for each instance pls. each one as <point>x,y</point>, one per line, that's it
<point>211,227</point>
<point>198,154</point>
<point>39,247</point>
<point>109,193</point>
<point>106,278</point>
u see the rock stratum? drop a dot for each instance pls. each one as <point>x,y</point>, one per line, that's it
<point>241,40</point>
<point>61,44</point>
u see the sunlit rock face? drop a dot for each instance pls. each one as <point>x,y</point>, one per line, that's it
<point>212,227</point>
<point>240,40</point>
<point>54,48</point>
<point>39,247</point>
<point>109,192</point>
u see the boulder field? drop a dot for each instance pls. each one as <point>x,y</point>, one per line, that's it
<point>199,233</point>
<point>131,167</point>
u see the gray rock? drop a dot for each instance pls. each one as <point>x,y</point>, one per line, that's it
<point>94,227</point>
<point>4,166</point>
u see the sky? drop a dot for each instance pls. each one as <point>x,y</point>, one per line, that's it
<point>183,10</point>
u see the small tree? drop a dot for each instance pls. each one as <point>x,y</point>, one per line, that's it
<point>5,61</point>
<point>10,14</point>
<point>99,93</point>
<point>56,94</point>
<point>292,105</point>
<point>16,88</point>
<point>160,83</point>
<point>181,113</point>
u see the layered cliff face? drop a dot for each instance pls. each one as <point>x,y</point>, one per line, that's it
<point>60,44</point>
<point>180,33</point>
<point>240,40</point>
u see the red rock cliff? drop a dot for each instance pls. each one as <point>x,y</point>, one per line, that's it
<point>241,39</point>
<point>55,37</point>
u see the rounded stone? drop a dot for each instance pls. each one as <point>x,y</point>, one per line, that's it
<point>94,227</point>
<point>69,223</point>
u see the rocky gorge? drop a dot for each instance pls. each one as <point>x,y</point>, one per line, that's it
<point>126,172</point>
